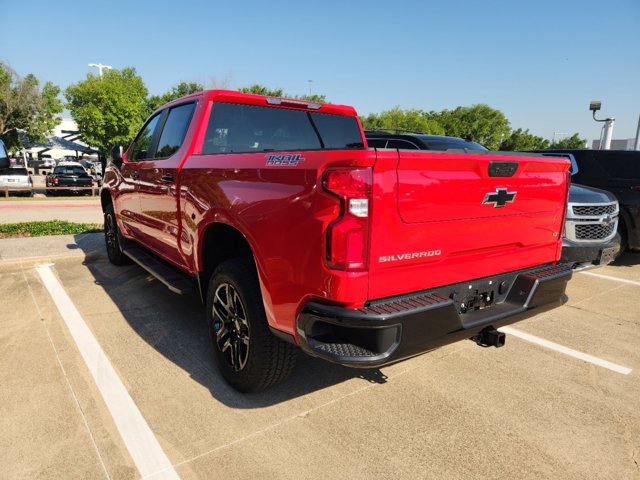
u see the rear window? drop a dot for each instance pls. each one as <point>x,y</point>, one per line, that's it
<point>70,171</point>
<point>235,128</point>
<point>15,171</point>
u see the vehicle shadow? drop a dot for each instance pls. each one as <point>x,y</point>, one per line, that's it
<point>175,326</point>
<point>627,259</point>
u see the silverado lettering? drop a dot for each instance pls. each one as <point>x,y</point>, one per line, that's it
<point>409,256</point>
<point>200,212</point>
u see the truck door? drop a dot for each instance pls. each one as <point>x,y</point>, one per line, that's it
<point>158,214</point>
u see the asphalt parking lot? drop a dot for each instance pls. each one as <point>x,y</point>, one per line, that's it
<point>522,411</point>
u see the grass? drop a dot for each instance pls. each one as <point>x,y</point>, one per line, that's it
<point>51,227</point>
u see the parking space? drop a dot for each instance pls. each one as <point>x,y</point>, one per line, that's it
<point>523,411</point>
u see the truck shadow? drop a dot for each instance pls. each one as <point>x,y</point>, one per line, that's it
<point>175,326</point>
<point>627,259</point>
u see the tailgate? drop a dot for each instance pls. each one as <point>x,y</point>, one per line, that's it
<point>443,218</point>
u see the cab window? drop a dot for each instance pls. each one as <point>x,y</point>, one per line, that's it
<point>174,130</point>
<point>141,149</point>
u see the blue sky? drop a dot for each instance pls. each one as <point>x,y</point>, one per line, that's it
<point>540,62</point>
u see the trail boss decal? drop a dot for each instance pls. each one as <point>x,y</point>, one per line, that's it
<point>409,256</point>
<point>287,160</point>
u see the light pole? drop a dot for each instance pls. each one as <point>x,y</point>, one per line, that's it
<point>553,139</point>
<point>310,82</point>
<point>605,144</point>
<point>100,67</point>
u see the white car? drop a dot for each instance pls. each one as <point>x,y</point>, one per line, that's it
<point>16,180</point>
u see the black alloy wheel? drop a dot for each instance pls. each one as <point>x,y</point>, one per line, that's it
<point>247,354</point>
<point>231,326</point>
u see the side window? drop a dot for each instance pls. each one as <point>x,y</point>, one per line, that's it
<point>174,130</point>
<point>3,151</point>
<point>142,145</point>
<point>402,145</point>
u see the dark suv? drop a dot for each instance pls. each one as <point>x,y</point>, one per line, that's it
<point>590,237</point>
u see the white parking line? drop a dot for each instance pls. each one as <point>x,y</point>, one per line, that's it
<point>142,444</point>
<point>566,350</point>
<point>608,277</point>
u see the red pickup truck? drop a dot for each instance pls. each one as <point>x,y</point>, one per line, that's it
<point>295,234</point>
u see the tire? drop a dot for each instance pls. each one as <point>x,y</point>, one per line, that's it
<point>112,238</point>
<point>248,355</point>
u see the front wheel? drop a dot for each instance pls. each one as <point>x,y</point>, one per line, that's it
<point>247,354</point>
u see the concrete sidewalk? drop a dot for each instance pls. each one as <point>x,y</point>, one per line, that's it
<point>33,250</point>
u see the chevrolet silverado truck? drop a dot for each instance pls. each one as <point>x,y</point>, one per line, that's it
<point>297,235</point>
<point>590,236</point>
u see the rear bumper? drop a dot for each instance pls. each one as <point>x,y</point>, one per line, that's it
<point>393,329</point>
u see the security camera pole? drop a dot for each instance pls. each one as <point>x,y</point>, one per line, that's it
<point>100,67</point>
<point>608,126</point>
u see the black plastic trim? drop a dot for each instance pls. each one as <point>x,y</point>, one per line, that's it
<point>393,329</point>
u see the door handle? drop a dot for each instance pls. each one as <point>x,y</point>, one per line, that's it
<point>135,175</point>
<point>167,178</point>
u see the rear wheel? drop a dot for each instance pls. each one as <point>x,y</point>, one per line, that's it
<point>112,238</point>
<point>247,354</point>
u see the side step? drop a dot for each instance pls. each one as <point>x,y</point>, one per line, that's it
<point>174,279</point>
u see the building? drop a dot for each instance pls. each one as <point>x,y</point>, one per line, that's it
<point>624,144</point>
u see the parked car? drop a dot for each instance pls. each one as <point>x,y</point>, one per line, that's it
<point>16,180</point>
<point>71,175</point>
<point>617,172</point>
<point>590,236</point>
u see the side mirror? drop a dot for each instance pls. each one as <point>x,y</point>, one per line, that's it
<point>116,155</point>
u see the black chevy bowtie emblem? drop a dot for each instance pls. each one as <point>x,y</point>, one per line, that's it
<point>500,198</point>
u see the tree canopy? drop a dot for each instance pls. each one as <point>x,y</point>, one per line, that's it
<point>397,119</point>
<point>180,90</point>
<point>479,123</point>
<point>279,92</point>
<point>574,141</point>
<point>109,110</point>
<point>522,140</point>
<point>25,108</point>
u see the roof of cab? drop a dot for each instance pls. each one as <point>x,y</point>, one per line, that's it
<point>231,96</point>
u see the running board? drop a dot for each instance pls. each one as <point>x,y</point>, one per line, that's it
<point>174,279</point>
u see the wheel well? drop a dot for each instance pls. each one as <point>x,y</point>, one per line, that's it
<point>221,242</point>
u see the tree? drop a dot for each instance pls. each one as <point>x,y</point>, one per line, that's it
<point>180,90</point>
<point>522,140</point>
<point>262,90</point>
<point>279,92</point>
<point>574,141</point>
<point>398,119</point>
<point>108,110</point>
<point>26,108</point>
<point>479,123</point>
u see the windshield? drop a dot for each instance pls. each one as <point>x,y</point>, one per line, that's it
<point>64,170</point>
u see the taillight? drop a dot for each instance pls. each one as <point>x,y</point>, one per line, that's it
<point>55,180</point>
<point>348,236</point>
